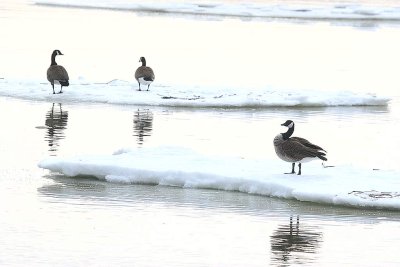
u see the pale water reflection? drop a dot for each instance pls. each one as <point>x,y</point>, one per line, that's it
<point>199,227</point>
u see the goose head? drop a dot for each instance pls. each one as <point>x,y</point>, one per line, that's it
<point>57,53</point>
<point>143,60</point>
<point>288,123</point>
<point>53,56</point>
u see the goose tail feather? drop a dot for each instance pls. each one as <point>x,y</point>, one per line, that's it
<point>322,155</point>
<point>64,83</point>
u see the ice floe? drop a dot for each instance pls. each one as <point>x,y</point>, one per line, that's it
<point>123,92</point>
<point>181,167</point>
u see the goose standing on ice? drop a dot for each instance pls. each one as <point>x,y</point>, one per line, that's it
<point>144,75</point>
<point>296,149</point>
<point>56,74</point>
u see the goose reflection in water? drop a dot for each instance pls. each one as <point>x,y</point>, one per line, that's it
<point>56,123</point>
<point>294,243</point>
<point>142,124</point>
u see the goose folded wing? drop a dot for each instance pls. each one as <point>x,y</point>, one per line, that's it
<point>307,143</point>
<point>145,72</point>
<point>298,151</point>
<point>148,74</point>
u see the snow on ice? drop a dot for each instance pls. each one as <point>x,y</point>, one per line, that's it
<point>123,92</point>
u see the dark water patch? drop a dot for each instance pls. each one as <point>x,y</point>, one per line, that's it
<point>56,124</point>
<point>142,124</point>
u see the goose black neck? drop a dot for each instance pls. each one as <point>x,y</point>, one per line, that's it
<point>144,62</point>
<point>288,133</point>
<point>53,59</point>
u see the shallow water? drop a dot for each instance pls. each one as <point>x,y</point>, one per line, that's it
<point>52,220</point>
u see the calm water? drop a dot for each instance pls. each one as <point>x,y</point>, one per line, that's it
<point>52,220</point>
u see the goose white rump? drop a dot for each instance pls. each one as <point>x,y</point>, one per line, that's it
<point>144,82</point>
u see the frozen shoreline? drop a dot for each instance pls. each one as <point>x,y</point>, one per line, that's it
<point>339,10</point>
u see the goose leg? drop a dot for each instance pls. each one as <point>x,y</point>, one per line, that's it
<point>139,86</point>
<point>60,90</point>
<point>53,88</point>
<point>148,87</point>
<point>299,173</point>
<point>293,164</point>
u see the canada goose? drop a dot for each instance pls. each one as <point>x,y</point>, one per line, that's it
<point>296,149</point>
<point>144,75</point>
<point>56,74</point>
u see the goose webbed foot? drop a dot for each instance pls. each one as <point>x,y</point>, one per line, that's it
<point>327,166</point>
<point>293,172</point>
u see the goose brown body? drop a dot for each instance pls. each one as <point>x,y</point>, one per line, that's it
<point>57,73</point>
